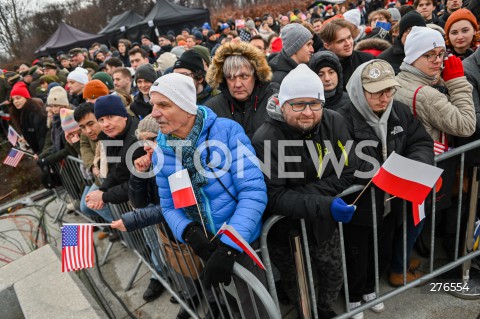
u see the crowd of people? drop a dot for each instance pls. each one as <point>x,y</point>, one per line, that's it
<point>291,91</point>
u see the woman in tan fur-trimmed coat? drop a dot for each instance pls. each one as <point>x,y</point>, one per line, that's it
<point>243,75</point>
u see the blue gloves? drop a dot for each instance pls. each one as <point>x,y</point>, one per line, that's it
<point>342,212</point>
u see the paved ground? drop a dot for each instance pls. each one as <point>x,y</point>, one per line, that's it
<point>416,303</point>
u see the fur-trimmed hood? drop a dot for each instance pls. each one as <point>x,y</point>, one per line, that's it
<point>373,43</point>
<point>256,57</point>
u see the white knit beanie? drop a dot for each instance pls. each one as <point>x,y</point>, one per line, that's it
<point>421,40</point>
<point>301,82</point>
<point>180,89</point>
<point>79,75</point>
<point>57,96</point>
<point>353,16</point>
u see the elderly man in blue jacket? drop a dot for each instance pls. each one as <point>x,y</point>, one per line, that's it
<point>226,179</point>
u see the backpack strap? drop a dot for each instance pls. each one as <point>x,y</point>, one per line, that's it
<point>414,104</point>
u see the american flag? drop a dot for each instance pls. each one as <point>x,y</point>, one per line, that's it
<point>77,247</point>
<point>12,136</point>
<point>13,158</point>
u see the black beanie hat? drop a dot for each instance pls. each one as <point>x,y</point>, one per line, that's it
<point>146,72</point>
<point>109,105</point>
<point>190,60</point>
<point>411,19</point>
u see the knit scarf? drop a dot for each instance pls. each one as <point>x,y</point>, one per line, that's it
<point>197,177</point>
<point>410,68</point>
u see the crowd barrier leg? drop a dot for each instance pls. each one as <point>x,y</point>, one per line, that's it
<point>459,212</point>
<point>296,247</point>
<point>134,275</point>
<point>60,213</point>
<point>474,284</point>
<point>104,258</point>
<point>309,268</point>
<point>375,242</point>
<point>266,257</point>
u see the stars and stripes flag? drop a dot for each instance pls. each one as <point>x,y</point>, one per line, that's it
<point>77,247</point>
<point>231,233</point>
<point>408,179</point>
<point>12,136</point>
<point>13,158</point>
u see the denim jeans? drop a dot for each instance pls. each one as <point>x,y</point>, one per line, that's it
<point>412,234</point>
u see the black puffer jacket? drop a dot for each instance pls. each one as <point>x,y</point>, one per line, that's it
<point>281,65</point>
<point>351,63</point>
<point>115,186</point>
<point>308,196</point>
<point>394,55</point>
<point>139,107</point>
<point>323,59</point>
<point>249,114</point>
<point>406,137</point>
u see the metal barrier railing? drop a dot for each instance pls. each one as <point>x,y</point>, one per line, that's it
<point>150,250</point>
<point>271,221</point>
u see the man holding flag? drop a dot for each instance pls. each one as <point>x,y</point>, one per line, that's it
<point>306,140</point>
<point>388,126</point>
<point>200,187</point>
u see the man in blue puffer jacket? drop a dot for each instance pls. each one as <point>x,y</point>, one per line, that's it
<point>231,189</point>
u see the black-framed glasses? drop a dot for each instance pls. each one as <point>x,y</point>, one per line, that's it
<point>433,57</point>
<point>388,93</point>
<point>315,105</point>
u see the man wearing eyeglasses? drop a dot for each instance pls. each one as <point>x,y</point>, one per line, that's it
<point>300,140</point>
<point>373,116</point>
<point>191,64</point>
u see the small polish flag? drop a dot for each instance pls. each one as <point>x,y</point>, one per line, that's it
<point>408,179</point>
<point>182,190</point>
<point>231,233</point>
<point>418,213</point>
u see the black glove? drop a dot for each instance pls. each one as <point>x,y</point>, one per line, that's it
<point>194,235</point>
<point>42,162</point>
<point>220,265</point>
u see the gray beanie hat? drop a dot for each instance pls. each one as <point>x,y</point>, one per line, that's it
<point>147,125</point>
<point>146,72</point>
<point>294,36</point>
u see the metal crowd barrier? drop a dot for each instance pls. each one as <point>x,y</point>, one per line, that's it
<point>465,260</point>
<point>191,294</point>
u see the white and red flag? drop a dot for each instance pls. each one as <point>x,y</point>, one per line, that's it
<point>181,189</point>
<point>231,233</point>
<point>408,179</point>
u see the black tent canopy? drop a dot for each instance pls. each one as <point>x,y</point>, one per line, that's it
<point>67,37</point>
<point>167,16</point>
<point>127,19</point>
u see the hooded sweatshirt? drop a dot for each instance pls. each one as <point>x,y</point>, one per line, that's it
<point>378,124</point>
<point>337,98</point>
